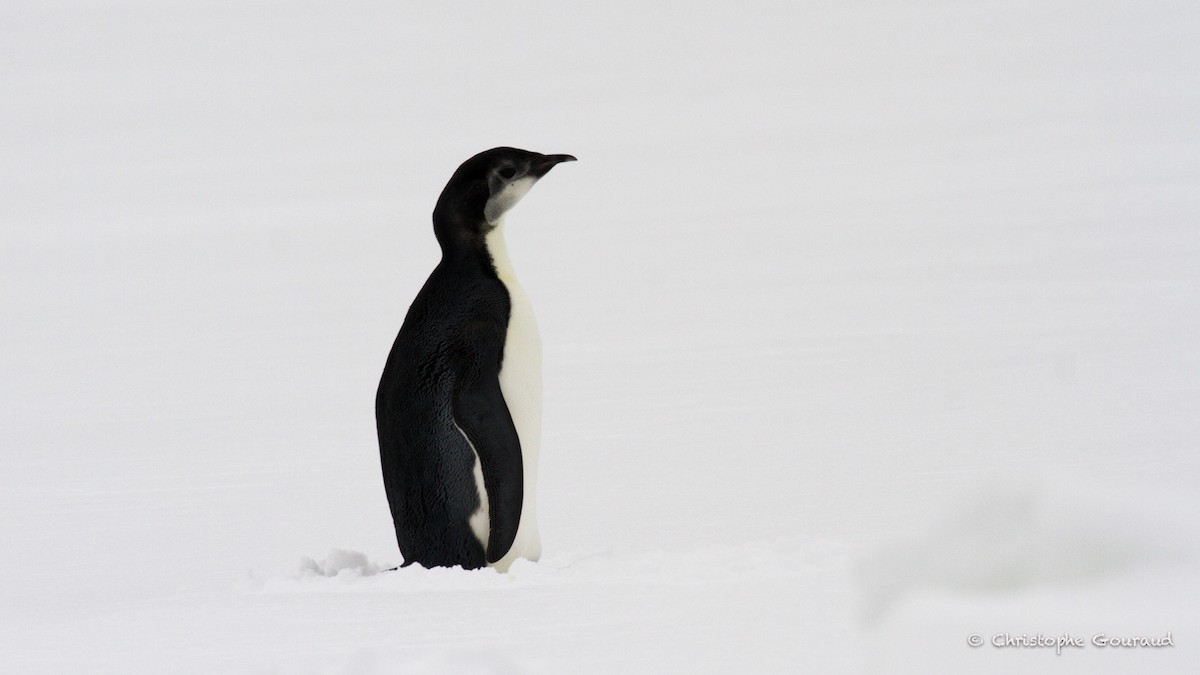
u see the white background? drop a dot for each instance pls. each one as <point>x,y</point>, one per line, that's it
<point>867,327</point>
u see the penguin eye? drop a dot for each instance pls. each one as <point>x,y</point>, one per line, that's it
<point>507,173</point>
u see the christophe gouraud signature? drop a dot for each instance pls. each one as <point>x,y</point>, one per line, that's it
<point>1067,641</point>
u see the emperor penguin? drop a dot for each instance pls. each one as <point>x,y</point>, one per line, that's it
<point>459,406</point>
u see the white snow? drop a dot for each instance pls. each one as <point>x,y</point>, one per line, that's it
<point>866,329</point>
<point>337,564</point>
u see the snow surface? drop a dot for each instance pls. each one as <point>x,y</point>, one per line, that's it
<point>867,327</point>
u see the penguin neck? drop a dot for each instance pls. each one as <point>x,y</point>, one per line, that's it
<point>463,240</point>
<point>497,248</point>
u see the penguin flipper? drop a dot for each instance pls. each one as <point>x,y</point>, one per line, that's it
<point>483,416</point>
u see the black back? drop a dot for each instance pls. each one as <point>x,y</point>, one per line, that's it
<point>451,344</point>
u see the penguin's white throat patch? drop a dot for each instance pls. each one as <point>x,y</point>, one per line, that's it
<point>508,196</point>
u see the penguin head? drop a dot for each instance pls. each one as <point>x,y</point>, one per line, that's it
<point>486,186</point>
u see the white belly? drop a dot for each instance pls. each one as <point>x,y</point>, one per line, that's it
<point>521,384</point>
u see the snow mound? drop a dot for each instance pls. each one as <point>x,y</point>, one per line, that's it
<point>342,571</point>
<point>339,563</point>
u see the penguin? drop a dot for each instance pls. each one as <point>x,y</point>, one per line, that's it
<point>459,405</point>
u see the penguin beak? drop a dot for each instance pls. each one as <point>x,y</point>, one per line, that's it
<point>543,164</point>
